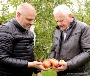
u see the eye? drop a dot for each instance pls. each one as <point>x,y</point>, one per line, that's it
<point>29,19</point>
<point>60,20</point>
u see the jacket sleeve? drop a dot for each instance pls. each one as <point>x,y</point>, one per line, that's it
<point>83,57</point>
<point>6,49</point>
<point>52,54</point>
<point>78,60</point>
<point>36,70</point>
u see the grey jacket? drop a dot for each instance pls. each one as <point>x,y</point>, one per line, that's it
<point>75,49</point>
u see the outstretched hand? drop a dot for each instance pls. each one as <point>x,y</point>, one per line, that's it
<point>37,65</point>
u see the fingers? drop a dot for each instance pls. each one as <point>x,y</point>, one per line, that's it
<point>59,69</point>
<point>43,68</point>
<point>62,67</point>
<point>39,65</point>
<point>46,65</point>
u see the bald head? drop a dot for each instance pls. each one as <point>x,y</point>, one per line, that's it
<point>25,15</point>
<point>64,9</point>
<point>24,8</point>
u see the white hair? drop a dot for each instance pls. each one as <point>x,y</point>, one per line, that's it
<point>64,9</point>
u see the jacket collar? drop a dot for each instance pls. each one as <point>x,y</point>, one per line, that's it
<point>18,25</point>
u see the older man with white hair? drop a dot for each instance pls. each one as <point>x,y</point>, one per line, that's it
<point>71,43</point>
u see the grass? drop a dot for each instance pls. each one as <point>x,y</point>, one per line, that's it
<point>48,73</point>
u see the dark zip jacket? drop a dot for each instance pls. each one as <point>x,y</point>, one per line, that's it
<point>16,50</point>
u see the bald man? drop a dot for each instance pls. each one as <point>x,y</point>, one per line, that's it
<point>17,45</point>
<point>71,43</point>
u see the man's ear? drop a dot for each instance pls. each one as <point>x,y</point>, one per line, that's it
<point>18,14</point>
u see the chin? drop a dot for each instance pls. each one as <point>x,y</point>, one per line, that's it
<point>28,28</point>
<point>62,29</point>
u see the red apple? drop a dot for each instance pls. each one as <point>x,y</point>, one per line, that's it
<point>38,60</point>
<point>54,63</point>
<point>46,63</point>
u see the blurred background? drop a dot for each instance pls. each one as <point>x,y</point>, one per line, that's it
<point>45,24</point>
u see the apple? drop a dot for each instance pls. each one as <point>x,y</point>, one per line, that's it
<point>46,63</point>
<point>61,61</point>
<point>54,63</point>
<point>38,60</point>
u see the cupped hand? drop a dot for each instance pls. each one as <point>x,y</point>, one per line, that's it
<point>41,67</point>
<point>62,66</point>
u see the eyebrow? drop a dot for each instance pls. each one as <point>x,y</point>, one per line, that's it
<point>30,19</point>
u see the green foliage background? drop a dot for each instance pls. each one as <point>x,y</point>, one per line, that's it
<point>45,23</point>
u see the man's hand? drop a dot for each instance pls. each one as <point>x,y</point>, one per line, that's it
<point>62,66</point>
<point>37,65</point>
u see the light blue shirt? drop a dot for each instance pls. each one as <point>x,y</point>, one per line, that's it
<point>64,33</point>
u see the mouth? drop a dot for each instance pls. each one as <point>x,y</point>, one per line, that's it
<point>61,26</point>
<point>29,26</point>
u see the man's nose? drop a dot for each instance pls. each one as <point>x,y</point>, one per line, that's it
<point>59,23</point>
<point>31,22</point>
